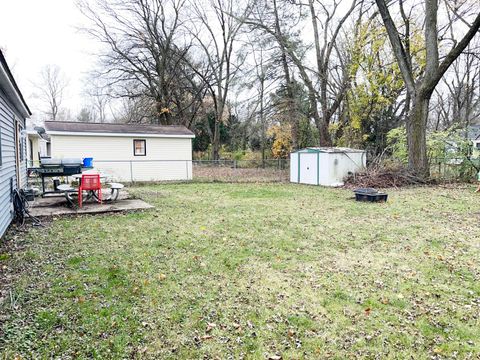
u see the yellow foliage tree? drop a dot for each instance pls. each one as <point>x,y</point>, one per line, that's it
<point>282,140</point>
<point>376,86</point>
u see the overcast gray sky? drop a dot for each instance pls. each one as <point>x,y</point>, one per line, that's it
<point>34,33</point>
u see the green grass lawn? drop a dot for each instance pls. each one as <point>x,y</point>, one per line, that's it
<point>251,271</point>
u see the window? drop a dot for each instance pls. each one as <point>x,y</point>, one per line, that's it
<point>139,147</point>
<point>478,145</point>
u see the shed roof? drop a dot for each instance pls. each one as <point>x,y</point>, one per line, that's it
<point>329,150</point>
<point>71,127</point>
<point>11,89</point>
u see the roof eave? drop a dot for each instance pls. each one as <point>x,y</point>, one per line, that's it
<point>112,134</point>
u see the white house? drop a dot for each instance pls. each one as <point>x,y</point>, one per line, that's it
<point>126,152</point>
<point>38,145</point>
<point>326,166</point>
<point>474,135</point>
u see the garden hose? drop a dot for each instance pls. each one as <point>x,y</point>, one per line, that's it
<point>20,208</point>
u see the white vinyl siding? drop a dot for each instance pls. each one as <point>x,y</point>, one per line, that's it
<point>165,159</point>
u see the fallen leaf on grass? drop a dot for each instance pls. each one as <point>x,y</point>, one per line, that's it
<point>411,274</point>
<point>162,277</point>
<point>368,311</point>
<point>275,357</point>
<point>206,337</point>
<point>210,326</point>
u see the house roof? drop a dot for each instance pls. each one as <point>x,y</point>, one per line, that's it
<point>116,129</point>
<point>330,150</point>
<point>11,89</point>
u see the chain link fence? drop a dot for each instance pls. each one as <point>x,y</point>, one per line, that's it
<point>130,171</point>
<point>247,171</point>
<point>268,170</point>
<point>454,169</point>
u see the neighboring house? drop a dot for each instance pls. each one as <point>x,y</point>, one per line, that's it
<point>38,146</point>
<point>13,164</point>
<point>126,152</point>
<point>474,136</point>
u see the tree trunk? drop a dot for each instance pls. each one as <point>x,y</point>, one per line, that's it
<point>416,136</point>
<point>262,118</point>
<point>324,135</point>
<point>216,141</point>
<point>291,101</point>
<point>322,128</point>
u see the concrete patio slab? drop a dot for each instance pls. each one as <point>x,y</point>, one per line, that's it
<point>58,205</point>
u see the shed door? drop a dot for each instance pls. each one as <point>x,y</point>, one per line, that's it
<point>308,168</point>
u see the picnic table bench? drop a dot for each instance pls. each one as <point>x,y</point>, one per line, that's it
<point>68,190</point>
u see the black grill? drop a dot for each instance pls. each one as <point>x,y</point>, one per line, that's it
<point>60,170</point>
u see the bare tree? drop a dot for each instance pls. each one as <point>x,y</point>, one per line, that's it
<point>289,83</point>
<point>326,80</point>
<point>51,90</point>
<point>98,96</point>
<point>147,55</point>
<point>135,110</point>
<point>458,99</point>
<point>260,77</point>
<point>216,28</point>
<point>420,90</point>
<point>271,65</point>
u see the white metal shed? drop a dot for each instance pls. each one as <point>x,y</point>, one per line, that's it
<point>326,166</point>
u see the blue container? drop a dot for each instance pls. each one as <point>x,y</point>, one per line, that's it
<point>88,162</point>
